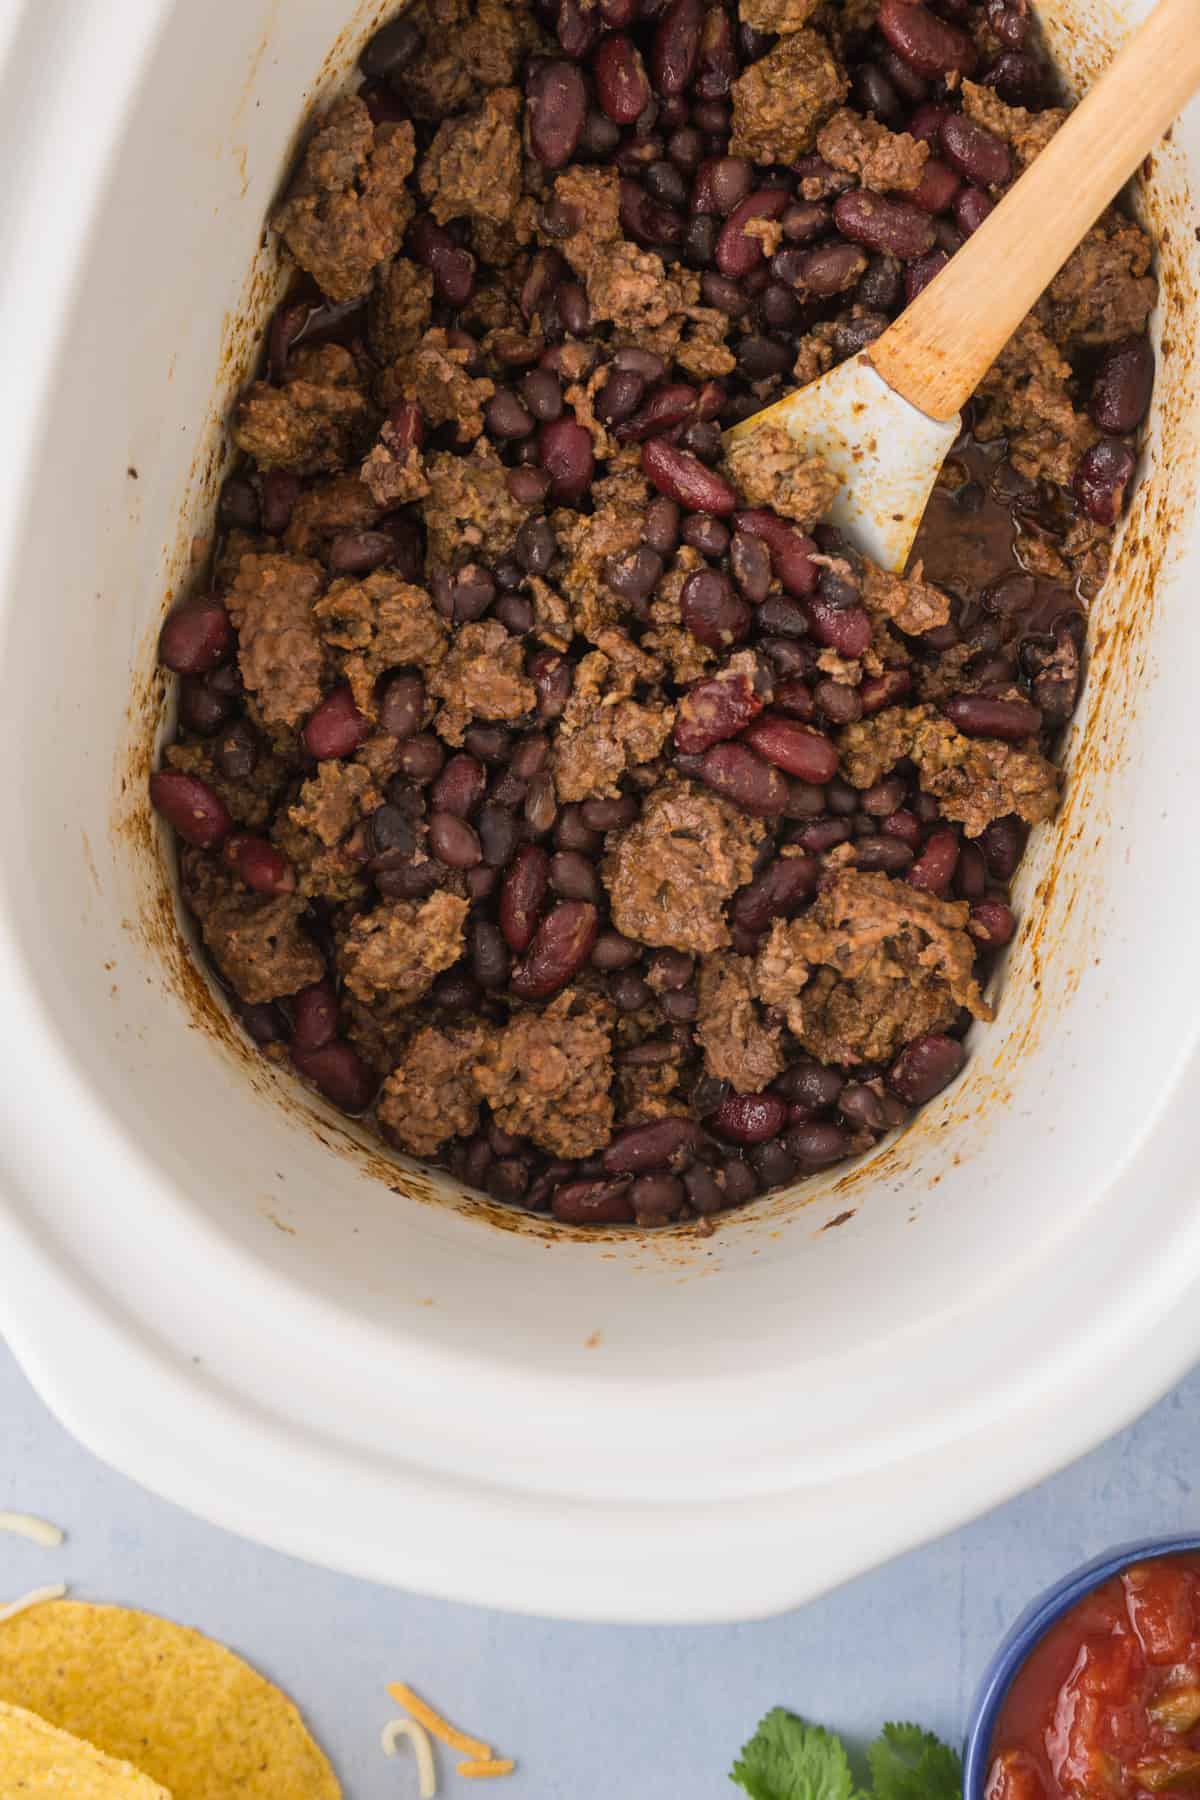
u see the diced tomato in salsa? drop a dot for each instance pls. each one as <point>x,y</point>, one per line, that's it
<point>1107,1704</point>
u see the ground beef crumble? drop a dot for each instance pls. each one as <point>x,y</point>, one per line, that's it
<point>589,809</point>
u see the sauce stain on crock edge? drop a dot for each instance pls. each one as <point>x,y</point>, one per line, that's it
<point>1038,978</point>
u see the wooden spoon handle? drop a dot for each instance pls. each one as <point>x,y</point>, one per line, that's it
<point>941,346</point>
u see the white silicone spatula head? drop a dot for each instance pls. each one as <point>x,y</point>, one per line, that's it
<point>885,451</point>
<point>885,420</point>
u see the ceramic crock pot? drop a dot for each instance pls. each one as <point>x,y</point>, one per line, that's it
<point>234,1297</point>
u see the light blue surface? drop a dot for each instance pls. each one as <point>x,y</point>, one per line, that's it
<point>591,1711</point>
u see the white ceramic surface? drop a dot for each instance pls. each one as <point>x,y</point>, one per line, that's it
<point>239,1311</point>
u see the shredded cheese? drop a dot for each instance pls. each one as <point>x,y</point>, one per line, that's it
<point>38,1531</point>
<point>434,1723</point>
<point>34,1598</point>
<point>418,1737</point>
<point>492,1765</point>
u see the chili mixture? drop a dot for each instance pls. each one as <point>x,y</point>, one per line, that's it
<point>552,785</point>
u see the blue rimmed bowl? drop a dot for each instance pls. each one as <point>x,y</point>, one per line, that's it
<point>1032,1625</point>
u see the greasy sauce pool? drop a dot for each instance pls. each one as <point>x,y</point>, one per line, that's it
<point>1108,1701</point>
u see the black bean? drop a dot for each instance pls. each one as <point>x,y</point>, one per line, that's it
<point>490,743</point>
<point>490,959</point>
<point>236,751</point>
<point>536,546</point>
<point>574,877</point>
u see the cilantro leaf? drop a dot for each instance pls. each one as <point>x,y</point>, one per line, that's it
<point>910,1764</point>
<point>787,1759</point>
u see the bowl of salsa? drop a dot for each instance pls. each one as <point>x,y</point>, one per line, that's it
<point>1095,1692</point>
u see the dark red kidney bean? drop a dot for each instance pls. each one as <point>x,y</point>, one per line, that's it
<point>453,841</point>
<point>896,227</point>
<point>452,267</point>
<point>712,611</point>
<point>522,895</point>
<point>1018,79</point>
<point>722,183</point>
<point>460,787</point>
<point>578,27</point>
<point>737,775</point>
<point>878,691</point>
<point>970,879</point>
<point>938,185</point>
<point>911,87</point>
<point>993,923</point>
<point>556,108</point>
<point>666,407</point>
<point>737,253</point>
<point>593,1203</point>
<point>196,636</point>
<point>541,804</point>
<point>750,1118</point>
<point>609,815</point>
<point>974,151</point>
<point>420,757</point>
<point>820,835</point>
<point>340,1074</point>
<point>714,710</point>
<point>568,458</point>
<point>314,1016</point>
<point>794,747</point>
<point>573,877</point>
<point>261,866</point>
<point>335,728</point>
<point>924,1067</point>
<point>971,208</point>
<point>573,308</point>
<point>783,885</point>
<point>669,1143</point>
<point>934,869</point>
<point>818,1145</point>
<point>358,552</point>
<point>618,14</point>
<point>643,219</point>
<point>1101,478</point>
<point>716,63</point>
<point>677,46</point>
<point>553,677</point>
<point>280,492</point>
<point>1122,386</point>
<point>790,550</point>
<point>928,44</point>
<point>189,805</point>
<point>844,629</point>
<point>622,85</point>
<point>979,716</point>
<point>919,274</point>
<point>926,122</point>
<point>561,945</point>
<point>685,479</point>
